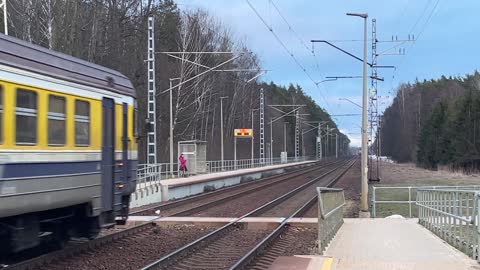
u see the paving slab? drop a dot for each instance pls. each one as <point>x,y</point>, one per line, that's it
<point>393,244</point>
<point>302,262</point>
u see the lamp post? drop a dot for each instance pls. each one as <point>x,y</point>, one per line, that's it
<point>364,169</point>
<point>171,126</point>
<point>221,128</point>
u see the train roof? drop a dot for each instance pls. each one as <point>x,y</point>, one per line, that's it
<point>24,55</point>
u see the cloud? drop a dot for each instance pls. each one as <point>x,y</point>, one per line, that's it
<point>436,52</point>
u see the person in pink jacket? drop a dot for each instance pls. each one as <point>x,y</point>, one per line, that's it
<point>183,165</point>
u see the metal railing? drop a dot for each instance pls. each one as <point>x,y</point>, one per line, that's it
<point>408,197</point>
<point>330,215</point>
<point>231,165</point>
<point>151,174</point>
<point>453,215</point>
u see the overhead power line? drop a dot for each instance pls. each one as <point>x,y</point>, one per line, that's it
<point>312,52</point>
<point>429,17</point>
<point>289,26</point>
<point>300,65</point>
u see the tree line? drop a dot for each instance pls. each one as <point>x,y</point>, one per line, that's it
<point>435,123</point>
<point>113,33</point>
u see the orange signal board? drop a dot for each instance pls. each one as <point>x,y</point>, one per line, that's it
<point>243,132</point>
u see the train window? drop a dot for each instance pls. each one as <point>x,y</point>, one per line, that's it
<point>1,114</point>
<point>56,120</point>
<point>82,123</point>
<point>26,117</point>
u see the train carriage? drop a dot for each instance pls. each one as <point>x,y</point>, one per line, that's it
<point>68,152</point>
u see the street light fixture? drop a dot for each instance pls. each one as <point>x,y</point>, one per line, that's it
<point>364,169</point>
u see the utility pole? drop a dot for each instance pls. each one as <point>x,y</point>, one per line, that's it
<point>221,133</point>
<point>326,143</point>
<point>5,23</point>
<point>171,130</point>
<point>364,169</point>
<point>171,125</point>
<point>262,128</point>
<point>336,145</point>
<point>253,132</point>
<point>319,142</point>
<point>271,140</point>
<point>285,136</point>
<point>295,110</point>
<point>235,153</point>
<point>297,135</point>
<point>373,104</point>
<point>151,120</point>
<point>303,145</point>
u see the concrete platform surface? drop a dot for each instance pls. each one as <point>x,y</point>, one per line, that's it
<point>301,262</point>
<point>393,244</point>
<point>218,175</point>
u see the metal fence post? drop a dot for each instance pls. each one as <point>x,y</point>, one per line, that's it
<point>374,203</point>
<point>409,202</point>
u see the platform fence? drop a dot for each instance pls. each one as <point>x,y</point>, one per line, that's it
<point>330,215</point>
<point>453,215</point>
<point>150,174</point>
<point>232,165</point>
<point>387,200</point>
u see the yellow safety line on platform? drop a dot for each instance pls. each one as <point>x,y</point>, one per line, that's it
<point>327,264</point>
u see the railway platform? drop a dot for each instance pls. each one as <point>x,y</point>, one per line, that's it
<point>382,244</point>
<point>175,188</point>
<point>391,244</point>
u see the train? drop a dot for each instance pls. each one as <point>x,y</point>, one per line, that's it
<point>68,146</point>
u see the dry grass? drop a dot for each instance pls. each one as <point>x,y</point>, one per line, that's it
<point>409,175</point>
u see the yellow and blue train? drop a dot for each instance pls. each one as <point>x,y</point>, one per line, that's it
<point>68,152</point>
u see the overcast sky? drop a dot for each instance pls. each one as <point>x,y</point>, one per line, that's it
<point>447,34</point>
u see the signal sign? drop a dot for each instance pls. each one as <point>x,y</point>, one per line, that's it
<point>243,133</point>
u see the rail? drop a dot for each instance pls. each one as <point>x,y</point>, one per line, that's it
<point>330,214</point>
<point>453,215</point>
<point>165,260</point>
<point>406,198</point>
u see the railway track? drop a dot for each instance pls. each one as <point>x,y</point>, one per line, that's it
<point>186,206</point>
<point>226,247</point>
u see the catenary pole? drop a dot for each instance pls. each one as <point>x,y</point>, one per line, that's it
<point>221,131</point>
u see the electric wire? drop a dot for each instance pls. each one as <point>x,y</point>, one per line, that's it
<point>423,27</point>
<point>282,44</point>
<point>297,36</point>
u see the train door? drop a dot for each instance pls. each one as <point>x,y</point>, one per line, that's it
<point>126,164</point>
<point>108,153</point>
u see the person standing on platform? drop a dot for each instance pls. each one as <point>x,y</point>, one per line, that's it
<point>183,165</point>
